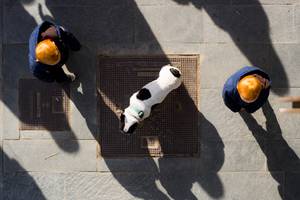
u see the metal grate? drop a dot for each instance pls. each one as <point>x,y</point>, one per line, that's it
<point>43,106</point>
<point>172,128</point>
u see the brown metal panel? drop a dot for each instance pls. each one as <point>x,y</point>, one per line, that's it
<point>43,106</point>
<point>172,128</point>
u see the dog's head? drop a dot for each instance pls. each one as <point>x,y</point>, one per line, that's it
<point>128,122</point>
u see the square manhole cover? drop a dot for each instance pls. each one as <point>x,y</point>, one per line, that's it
<point>171,129</point>
<point>43,106</point>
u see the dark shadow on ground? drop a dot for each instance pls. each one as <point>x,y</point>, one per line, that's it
<point>143,185</point>
<point>178,178</point>
<point>19,66</point>
<point>246,26</point>
<point>282,161</point>
<point>18,185</point>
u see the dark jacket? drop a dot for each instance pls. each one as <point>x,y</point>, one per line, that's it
<point>42,71</point>
<point>231,96</point>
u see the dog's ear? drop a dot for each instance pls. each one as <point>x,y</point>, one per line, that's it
<point>175,72</point>
<point>122,122</point>
<point>122,118</point>
<point>132,128</point>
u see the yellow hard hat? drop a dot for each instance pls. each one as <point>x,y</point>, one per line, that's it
<point>47,52</point>
<point>249,88</point>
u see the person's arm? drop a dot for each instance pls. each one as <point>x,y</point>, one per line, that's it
<point>230,103</point>
<point>42,75</point>
<point>69,39</point>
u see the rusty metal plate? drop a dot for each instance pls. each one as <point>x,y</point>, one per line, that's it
<point>172,128</point>
<point>43,106</point>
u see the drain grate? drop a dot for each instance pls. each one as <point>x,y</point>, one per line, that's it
<point>43,106</point>
<point>172,128</point>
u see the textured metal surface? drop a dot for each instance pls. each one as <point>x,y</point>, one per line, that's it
<point>172,128</point>
<point>43,106</point>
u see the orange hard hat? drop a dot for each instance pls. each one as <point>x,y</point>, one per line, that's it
<point>47,52</point>
<point>249,88</point>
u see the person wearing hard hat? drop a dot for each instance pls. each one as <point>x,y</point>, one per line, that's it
<point>247,89</point>
<point>49,46</point>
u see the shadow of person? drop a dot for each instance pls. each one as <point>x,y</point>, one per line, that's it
<point>18,184</point>
<point>282,161</point>
<point>177,176</point>
<point>247,27</point>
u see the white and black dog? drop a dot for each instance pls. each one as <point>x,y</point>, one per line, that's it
<point>142,102</point>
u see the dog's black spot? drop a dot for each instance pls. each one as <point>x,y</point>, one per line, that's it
<point>143,94</point>
<point>154,106</point>
<point>132,128</point>
<point>175,72</point>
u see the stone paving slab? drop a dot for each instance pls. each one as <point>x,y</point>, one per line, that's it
<point>68,2</point>
<point>291,187</point>
<point>275,2</point>
<point>83,92</point>
<point>249,24</point>
<point>297,20</point>
<point>48,156</point>
<point>283,155</point>
<point>230,126</point>
<point>220,61</point>
<point>15,66</point>
<point>107,186</point>
<point>288,122</point>
<point>172,28</point>
<point>18,24</point>
<point>23,186</point>
<point>288,54</point>
<point>151,49</point>
<point>251,185</point>
<point>174,186</point>
<point>91,25</point>
<point>220,122</point>
<point>197,3</point>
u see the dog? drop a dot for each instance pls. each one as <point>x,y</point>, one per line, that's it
<point>143,101</point>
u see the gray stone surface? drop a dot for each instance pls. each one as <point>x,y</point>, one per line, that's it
<point>246,182</point>
<point>23,186</point>
<point>267,2</point>
<point>249,24</point>
<point>93,23</point>
<point>219,61</point>
<point>243,156</point>
<point>15,66</point>
<point>173,28</point>
<point>288,122</point>
<point>297,20</point>
<point>83,92</point>
<point>107,186</point>
<point>220,122</point>
<point>291,190</point>
<point>288,54</point>
<point>47,156</point>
